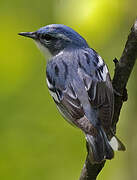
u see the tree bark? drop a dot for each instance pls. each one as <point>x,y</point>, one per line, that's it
<point>123,69</point>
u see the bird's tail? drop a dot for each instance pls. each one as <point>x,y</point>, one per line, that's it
<point>101,147</point>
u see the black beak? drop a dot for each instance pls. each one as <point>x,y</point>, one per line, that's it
<point>28,34</point>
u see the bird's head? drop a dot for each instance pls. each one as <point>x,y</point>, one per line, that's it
<point>55,37</point>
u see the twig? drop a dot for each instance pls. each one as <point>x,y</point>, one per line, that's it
<point>123,69</point>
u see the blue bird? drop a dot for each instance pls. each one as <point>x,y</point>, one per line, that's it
<point>80,84</point>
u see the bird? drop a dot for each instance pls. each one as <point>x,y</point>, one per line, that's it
<point>80,85</point>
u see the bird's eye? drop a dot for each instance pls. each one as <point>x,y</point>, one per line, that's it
<point>47,37</point>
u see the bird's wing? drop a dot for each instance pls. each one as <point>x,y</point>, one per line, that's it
<point>94,73</point>
<point>63,89</point>
<point>67,101</point>
<point>95,85</point>
<point>71,108</point>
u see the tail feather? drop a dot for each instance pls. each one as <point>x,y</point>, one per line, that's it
<point>101,149</point>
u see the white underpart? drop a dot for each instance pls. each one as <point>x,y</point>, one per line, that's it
<point>114,143</point>
<point>50,86</point>
<point>101,62</point>
<point>54,95</point>
<point>44,50</point>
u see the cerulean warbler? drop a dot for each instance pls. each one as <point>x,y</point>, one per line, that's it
<point>80,84</point>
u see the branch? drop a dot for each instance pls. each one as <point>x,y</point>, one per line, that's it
<point>123,69</point>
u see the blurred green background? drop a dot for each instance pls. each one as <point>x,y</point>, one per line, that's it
<point>35,142</point>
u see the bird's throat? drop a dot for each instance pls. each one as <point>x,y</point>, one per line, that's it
<point>44,50</point>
